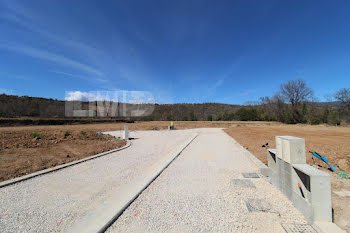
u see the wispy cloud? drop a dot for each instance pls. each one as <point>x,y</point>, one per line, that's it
<point>26,22</point>
<point>7,91</point>
<point>48,56</point>
<point>221,80</point>
<point>84,77</point>
<point>115,62</point>
<point>30,20</point>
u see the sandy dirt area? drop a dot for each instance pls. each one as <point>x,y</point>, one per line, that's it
<point>24,150</point>
<point>332,142</point>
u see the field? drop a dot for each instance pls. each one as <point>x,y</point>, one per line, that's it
<point>25,150</point>
<point>22,153</point>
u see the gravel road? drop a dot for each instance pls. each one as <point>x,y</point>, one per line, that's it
<point>204,190</point>
<point>53,202</point>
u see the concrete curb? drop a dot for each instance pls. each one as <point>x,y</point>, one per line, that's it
<point>264,170</point>
<point>100,219</point>
<point>59,167</point>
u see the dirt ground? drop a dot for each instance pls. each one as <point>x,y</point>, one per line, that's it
<point>332,142</point>
<point>21,154</point>
<point>24,150</point>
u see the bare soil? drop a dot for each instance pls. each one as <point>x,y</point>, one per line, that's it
<point>22,153</point>
<point>332,142</point>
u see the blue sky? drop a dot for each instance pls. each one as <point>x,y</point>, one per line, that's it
<point>179,51</point>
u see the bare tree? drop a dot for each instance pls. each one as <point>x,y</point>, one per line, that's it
<point>343,95</point>
<point>296,92</point>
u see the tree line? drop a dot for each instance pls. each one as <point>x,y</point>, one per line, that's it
<point>293,103</point>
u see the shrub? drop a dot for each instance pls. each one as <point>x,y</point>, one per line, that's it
<point>218,117</point>
<point>315,121</point>
<point>193,116</point>
<point>247,114</point>
<point>83,133</point>
<point>333,118</point>
<point>67,133</point>
<point>37,135</point>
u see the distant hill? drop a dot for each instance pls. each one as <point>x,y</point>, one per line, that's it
<point>12,106</point>
<point>52,111</point>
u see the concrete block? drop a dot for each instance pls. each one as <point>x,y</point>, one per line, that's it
<point>280,174</point>
<point>285,179</point>
<point>320,192</point>
<point>293,149</point>
<point>304,180</point>
<point>271,159</point>
<point>126,133</point>
<point>285,174</point>
<point>307,187</point>
<point>279,147</point>
<point>301,204</point>
<point>274,179</point>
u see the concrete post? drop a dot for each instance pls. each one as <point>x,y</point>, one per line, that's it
<point>126,133</point>
<point>291,149</point>
<point>317,191</point>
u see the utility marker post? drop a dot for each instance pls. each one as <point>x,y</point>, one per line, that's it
<point>126,133</point>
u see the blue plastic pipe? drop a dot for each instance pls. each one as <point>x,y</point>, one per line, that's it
<point>324,159</point>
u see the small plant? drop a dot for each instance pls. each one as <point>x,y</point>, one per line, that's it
<point>37,135</point>
<point>67,133</point>
<point>83,133</point>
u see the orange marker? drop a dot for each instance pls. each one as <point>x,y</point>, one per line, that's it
<point>301,190</point>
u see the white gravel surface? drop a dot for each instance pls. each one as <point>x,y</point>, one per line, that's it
<point>53,202</point>
<point>199,192</point>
